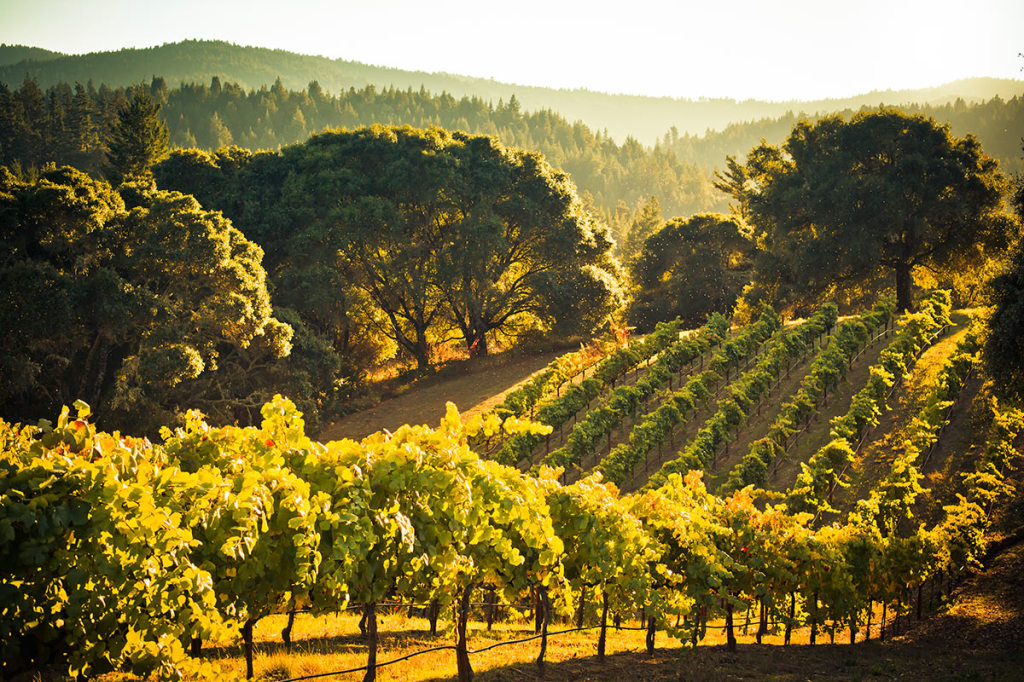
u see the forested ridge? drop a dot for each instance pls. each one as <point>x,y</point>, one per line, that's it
<point>645,118</point>
<point>67,124</point>
<point>997,122</point>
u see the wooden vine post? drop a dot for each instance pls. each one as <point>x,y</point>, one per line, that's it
<point>461,649</point>
<point>604,626</point>
<point>545,605</point>
<point>370,616</point>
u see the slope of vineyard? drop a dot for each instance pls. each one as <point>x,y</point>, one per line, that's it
<point>817,432</point>
<point>215,531</point>
<point>893,427</point>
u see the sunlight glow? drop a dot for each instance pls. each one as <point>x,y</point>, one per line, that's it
<point>794,49</point>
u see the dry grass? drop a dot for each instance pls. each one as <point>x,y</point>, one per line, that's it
<point>328,643</point>
<point>323,644</point>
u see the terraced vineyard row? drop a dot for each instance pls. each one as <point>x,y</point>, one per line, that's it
<point>746,392</point>
<point>557,409</point>
<point>631,400</point>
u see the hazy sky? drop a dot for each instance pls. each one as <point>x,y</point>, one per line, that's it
<point>744,48</point>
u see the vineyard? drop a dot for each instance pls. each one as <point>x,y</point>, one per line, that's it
<point>751,483</point>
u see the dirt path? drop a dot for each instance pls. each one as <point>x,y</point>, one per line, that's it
<point>484,384</point>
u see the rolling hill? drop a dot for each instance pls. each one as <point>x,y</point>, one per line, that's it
<point>645,118</point>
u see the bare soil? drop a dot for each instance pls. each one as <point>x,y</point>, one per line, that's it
<point>481,384</point>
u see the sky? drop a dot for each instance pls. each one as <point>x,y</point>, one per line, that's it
<point>742,49</point>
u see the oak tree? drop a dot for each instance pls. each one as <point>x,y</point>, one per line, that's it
<point>843,202</point>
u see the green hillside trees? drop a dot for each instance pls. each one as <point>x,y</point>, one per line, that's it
<point>690,268</point>
<point>420,235</point>
<point>137,298</point>
<point>843,203</point>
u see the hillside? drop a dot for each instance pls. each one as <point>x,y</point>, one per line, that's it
<point>14,54</point>
<point>645,118</point>
<point>998,123</point>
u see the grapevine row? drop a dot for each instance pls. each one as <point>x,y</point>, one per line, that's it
<point>748,391</point>
<point>557,412</point>
<point>118,551</point>
<point>820,475</point>
<point>567,367</point>
<point>827,370</point>
<point>625,400</point>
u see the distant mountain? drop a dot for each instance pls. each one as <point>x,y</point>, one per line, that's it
<point>12,54</point>
<point>645,118</point>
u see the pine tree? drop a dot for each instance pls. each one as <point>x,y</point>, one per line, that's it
<point>138,139</point>
<point>83,134</point>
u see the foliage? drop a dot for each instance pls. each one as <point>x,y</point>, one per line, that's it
<point>153,305</point>
<point>138,139</point>
<point>36,127</point>
<point>1004,347</point>
<point>690,268</point>
<point>558,411</point>
<point>628,400</point>
<point>827,369</point>
<point>702,448</point>
<point>844,201</point>
<point>117,550</point>
<point>424,234</point>
<point>819,476</point>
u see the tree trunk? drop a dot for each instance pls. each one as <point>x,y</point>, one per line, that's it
<point>814,620</point>
<point>101,373</point>
<point>652,629</point>
<point>792,617</point>
<point>461,650</point>
<point>604,627</point>
<point>421,352</point>
<point>904,284</point>
<point>580,608</point>
<point>478,345</point>
<point>538,611</point>
<point>196,647</point>
<point>432,612</point>
<point>370,617</point>
<point>762,625</point>
<point>286,633</point>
